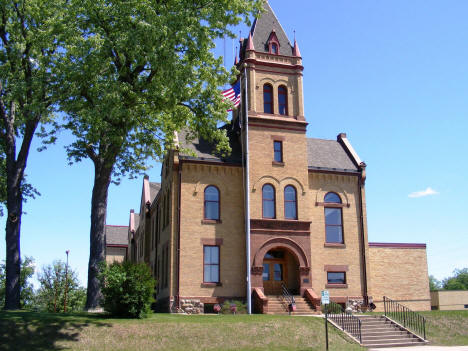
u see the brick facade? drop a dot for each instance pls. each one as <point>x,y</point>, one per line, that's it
<point>173,229</point>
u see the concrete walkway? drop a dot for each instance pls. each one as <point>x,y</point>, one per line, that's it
<point>426,348</point>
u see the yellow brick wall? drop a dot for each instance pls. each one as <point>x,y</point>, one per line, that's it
<point>347,188</point>
<point>450,299</point>
<point>401,275</point>
<point>115,254</point>
<point>231,230</point>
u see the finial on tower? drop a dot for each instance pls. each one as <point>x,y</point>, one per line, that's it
<point>236,61</point>
<point>250,45</point>
<point>296,51</point>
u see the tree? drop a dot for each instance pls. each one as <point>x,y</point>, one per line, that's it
<point>127,289</point>
<point>26,288</point>
<point>459,280</point>
<point>28,52</point>
<point>434,284</point>
<point>134,73</point>
<point>51,293</point>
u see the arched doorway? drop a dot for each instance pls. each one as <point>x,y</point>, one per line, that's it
<point>280,267</point>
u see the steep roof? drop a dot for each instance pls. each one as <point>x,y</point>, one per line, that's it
<point>154,189</point>
<point>262,28</point>
<point>206,150</point>
<point>116,235</point>
<point>328,155</point>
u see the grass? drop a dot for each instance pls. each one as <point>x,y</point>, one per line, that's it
<point>447,327</point>
<point>45,331</point>
<point>21,330</point>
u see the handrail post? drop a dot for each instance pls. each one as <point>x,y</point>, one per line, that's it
<point>424,327</point>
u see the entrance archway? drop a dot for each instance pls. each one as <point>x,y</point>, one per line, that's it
<point>280,260</point>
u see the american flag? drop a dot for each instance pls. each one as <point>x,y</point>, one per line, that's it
<point>233,94</point>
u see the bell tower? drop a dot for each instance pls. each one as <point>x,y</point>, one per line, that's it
<point>274,69</point>
<point>278,157</point>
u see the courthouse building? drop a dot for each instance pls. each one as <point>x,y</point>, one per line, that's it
<point>305,197</point>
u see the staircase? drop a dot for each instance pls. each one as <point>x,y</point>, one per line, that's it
<point>378,331</point>
<point>277,305</point>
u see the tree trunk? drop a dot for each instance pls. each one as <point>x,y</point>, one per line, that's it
<point>13,256</point>
<point>97,250</point>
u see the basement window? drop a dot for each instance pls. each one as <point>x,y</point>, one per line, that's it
<point>336,277</point>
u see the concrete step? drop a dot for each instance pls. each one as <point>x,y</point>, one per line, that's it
<point>395,344</point>
<point>393,341</point>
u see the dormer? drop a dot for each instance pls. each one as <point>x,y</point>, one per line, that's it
<point>273,43</point>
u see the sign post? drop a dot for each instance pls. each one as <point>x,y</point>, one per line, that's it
<point>325,301</point>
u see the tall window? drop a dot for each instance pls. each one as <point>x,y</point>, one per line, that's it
<point>211,264</point>
<point>278,151</point>
<point>283,100</point>
<point>267,98</point>
<point>211,203</point>
<point>333,219</point>
<point>290,202</point>
<point>268,197</point>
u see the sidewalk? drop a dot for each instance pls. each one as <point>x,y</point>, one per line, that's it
<point>426,348</point>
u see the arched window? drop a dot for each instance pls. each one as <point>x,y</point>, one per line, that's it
<point>268,199</point>
<point>211,203</point>
<point>283,100</point>
<point>274,48</point>
<point>290,202</point>
<point>333,219</point>
<point>267,98</point>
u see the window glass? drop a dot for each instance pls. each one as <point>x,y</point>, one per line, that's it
<point>332,197</point>
<point>274,48</point>
<point>268,195</point>
<point>211,203</point>
<point>266,271</point>
<point>278,272</point>
<point>278,151</point>
<point>283,100</point>
<point>290,202</point>
<point>333,216</point>
<point>274,254</point>
<point>268,98</point>
<point>336,278</point>
<point>211,264</point>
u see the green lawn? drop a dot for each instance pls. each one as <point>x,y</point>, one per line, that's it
<point>45,331</point>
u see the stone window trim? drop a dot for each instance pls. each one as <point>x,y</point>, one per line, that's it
<point>335,268</point>
<point>336,286</point>
<point>337,245</point>
<point>211,221</point>
<point>273,40</point>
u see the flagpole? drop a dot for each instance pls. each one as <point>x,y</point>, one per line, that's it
<point>247,191</point>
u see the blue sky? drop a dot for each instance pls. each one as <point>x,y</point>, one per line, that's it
<point>393,75</point>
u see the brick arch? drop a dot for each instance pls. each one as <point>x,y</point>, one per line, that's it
<point>320,194</point>
<point>292,181</point>
<point>263,180</point>
<point>284,243</point>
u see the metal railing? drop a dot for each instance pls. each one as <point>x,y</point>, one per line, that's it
<point>404,316</point>
<point>287,296</point>
<point>347,322</point>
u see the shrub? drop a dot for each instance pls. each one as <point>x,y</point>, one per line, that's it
<point>240,306</point>
<point>127,289</point>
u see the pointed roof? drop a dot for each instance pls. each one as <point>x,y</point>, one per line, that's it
<point>262,28</point>
<point>296,51</point>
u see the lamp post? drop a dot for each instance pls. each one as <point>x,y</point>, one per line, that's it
<point>66,284</point>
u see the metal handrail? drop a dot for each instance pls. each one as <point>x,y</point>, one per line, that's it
<point>406,317</point>
<point>347,322</point>
<point>287,296</point>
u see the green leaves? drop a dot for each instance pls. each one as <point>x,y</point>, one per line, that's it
<point>135,72</point>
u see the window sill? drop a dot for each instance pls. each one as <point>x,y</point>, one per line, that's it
<point>276,163</point>
<point>336,286</point>
<point>210,285</point>
<point>211,221</point>
<point>339,245</point>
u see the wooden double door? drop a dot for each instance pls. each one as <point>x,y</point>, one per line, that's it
<point>274,275</point>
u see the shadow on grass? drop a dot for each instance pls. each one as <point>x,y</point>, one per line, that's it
<point>21,330</point>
